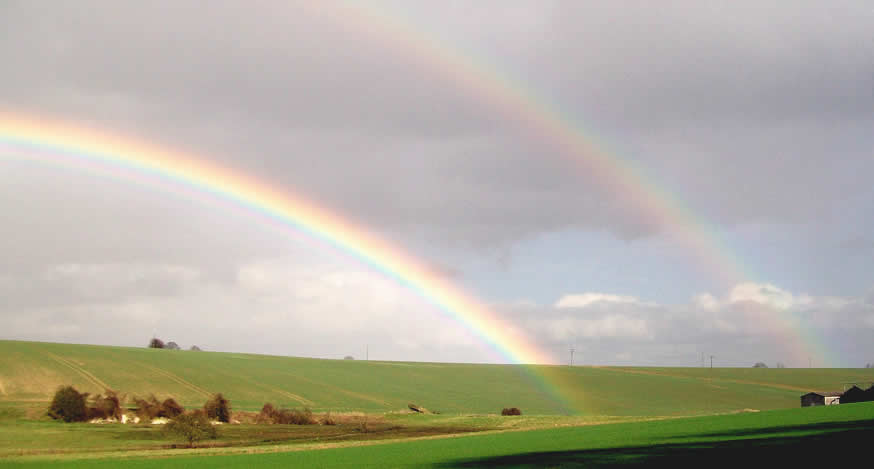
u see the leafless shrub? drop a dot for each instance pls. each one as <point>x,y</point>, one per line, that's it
<point>270,414</point>
<point>267,415</point>
<point>170,408</point>
<point>218,408</point>
<point>106,407</point>
<point>148,408</point>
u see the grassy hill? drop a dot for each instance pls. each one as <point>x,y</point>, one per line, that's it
<point>31,371</point>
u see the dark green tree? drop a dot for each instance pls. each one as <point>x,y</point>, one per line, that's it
<point>192,427</point>
<point>68,405</point>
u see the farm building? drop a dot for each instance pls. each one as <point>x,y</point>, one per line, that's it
<point>855,394</point>
<point>821,398</point>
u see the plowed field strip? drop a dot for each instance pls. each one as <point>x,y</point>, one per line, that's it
<point>85,373</point>
<point>178,379</point>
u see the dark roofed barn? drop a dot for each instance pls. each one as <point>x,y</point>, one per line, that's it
<point>820,398</point>
<point>854,394</point>
<point>812,399</point>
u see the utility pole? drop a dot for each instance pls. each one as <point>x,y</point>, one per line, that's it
<point>367,352</point>
<point>572,356</point>
<point>711,362</point>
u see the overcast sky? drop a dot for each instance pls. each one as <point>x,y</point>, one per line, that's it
<point>757,117</point>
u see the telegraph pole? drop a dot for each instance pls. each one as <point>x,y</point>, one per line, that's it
<point>572,356</point>
<point>711,362</point>
<point>367,352</point>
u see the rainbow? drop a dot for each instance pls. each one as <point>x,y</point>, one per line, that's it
<point>127,158</point>
<point>639,193</point>
<point>537,118</point>
<point>47,140</point>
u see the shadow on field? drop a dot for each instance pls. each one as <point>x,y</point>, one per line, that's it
<point>816,444</point>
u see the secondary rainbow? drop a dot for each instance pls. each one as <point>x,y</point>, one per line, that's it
<point>536,117</point>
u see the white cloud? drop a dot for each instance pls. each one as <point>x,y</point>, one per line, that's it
<point>705,302</point>
<point>750,322</point>
<point>586,299</point>
<point>765,294</point>
<point>611,326</point>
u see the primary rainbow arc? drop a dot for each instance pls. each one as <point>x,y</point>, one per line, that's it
<point>49,140</point>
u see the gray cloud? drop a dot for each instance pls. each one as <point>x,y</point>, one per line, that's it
<point>746,113</point>
<point>752,322</point>
<point>779,87</point>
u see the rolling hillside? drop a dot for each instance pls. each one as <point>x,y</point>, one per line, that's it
<point>31,371</point>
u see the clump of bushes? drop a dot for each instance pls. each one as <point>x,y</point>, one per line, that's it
<point>156,343</point>
<point>170,408</point>
<point>297,417</point>
<point>68,405</point>
<point>191,426</point>
<point>218,408</point>
<point>151,408</point>
<point>148,408</point>
<point>327,419</point>
<point>267,414</point>
<point>511,411</point>
<point>106,407</point>
<point>270,414</point>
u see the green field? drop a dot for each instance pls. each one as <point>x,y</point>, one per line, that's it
<point>30,372</point>
<point>598,414</point>
<point>806,437</point>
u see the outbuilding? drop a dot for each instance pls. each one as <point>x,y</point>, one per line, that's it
<point>854,394</point>
<point>821,398</point>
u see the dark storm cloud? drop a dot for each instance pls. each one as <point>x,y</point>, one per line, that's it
<point>308,99</point>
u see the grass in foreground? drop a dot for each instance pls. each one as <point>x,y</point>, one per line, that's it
<point>824,435</point>
<point>42,437</point>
